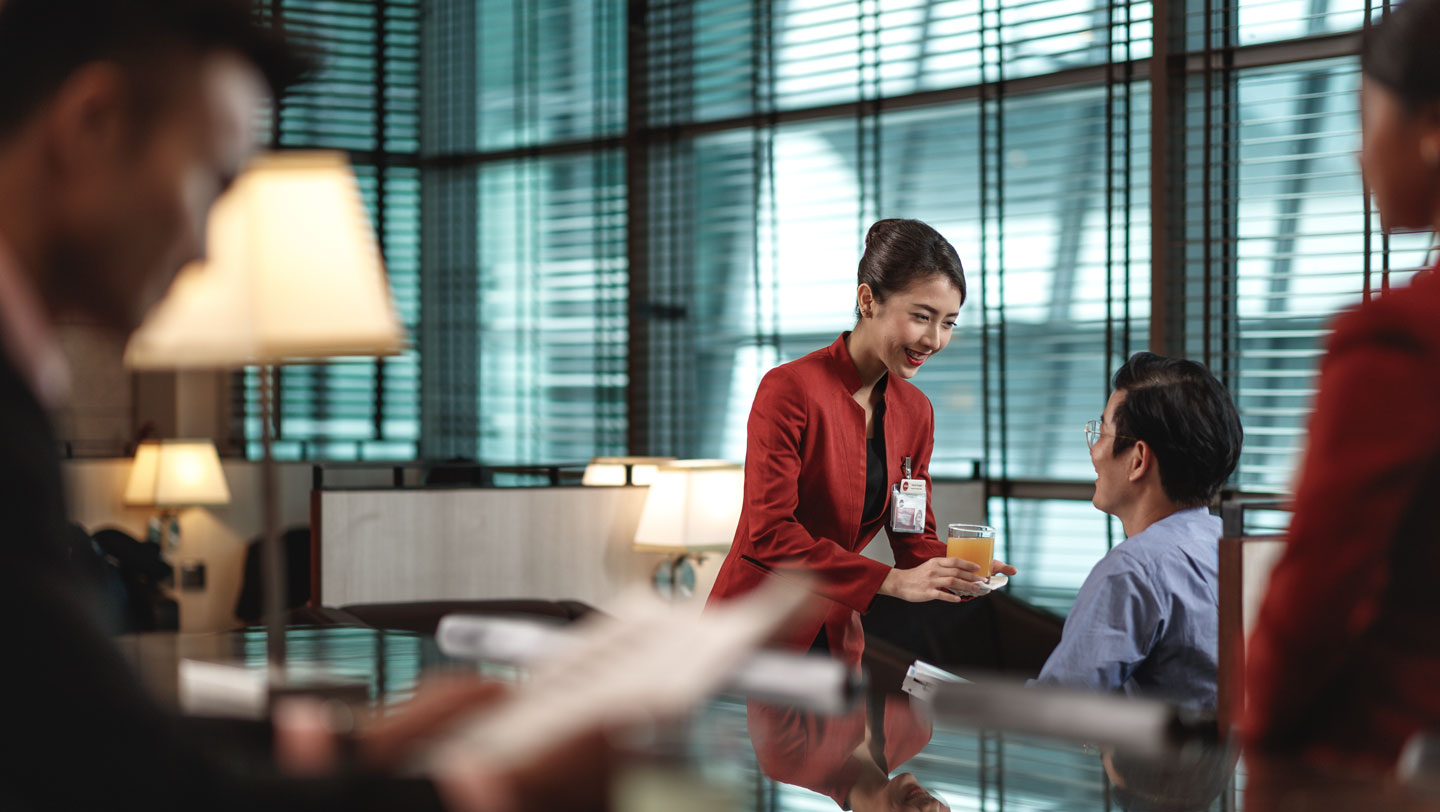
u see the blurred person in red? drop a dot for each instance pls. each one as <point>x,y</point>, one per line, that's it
<point>1344,662</point>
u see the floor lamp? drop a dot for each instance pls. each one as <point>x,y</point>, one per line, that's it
<point>293,275</point>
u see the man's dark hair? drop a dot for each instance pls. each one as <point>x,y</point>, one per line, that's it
<point>43,42</point>
<point>1400,53</point>
<point>899,253</point>
<point>1186,417</point>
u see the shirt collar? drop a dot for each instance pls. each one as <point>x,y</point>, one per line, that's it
<point>27,336</point>
<point>844,364</point>
<point>1186,515</point>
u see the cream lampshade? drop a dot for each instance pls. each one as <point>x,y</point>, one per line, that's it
<point>623,470</point>
<point>176,474</point>
<point>172,474</point>
<point>693,506</point>
<point>292,274</point>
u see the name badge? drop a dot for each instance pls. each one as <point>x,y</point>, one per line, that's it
<point>907,503</point>
<point>915,486</point>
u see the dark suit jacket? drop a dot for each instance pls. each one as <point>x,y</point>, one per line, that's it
<point>80,733</point>
<point>805,490</point>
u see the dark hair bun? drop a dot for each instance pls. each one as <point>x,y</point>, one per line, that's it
<point>879,228</point>
<point>898,253</point>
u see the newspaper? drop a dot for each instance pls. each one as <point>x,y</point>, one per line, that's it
<point>923,679</point>
<point>657,663</point>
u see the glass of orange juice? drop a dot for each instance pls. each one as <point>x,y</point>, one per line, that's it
<point>972,542</point>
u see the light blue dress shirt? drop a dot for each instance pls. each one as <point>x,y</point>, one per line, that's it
<point>1146,621</point>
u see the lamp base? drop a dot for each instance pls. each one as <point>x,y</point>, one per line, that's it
<point>674,577</point>
<point>163,530</point>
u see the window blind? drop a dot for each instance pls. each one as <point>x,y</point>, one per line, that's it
<point>719,59</point>
<point>365,100</point>
<point>548,71</point>
<point>781,148</point>
<point>628,213</point>
<point>1274,20</point>
<point>1065,258</point>
<point>525,223</point>
<point>1277,236</point>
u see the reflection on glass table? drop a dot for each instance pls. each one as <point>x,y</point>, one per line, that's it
<point>853,758</point>
<point>995,745</point>
<point>890,752</point>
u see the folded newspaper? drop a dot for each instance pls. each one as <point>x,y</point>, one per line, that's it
<point>924,679</point>
<point>812,682</point>
<point>655,663</point>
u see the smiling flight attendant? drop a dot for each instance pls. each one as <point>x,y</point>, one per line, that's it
<point>831,433</point>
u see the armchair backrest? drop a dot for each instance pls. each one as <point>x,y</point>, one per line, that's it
<point>1245,566</point>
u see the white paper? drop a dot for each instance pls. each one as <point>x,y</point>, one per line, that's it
<point>659,664</point>
<point>922,680</point>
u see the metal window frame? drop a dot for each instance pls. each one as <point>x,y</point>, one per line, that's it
<point>640,139</point>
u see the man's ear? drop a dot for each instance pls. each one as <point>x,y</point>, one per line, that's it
<point>1142,459</point>
<point>87,120</point>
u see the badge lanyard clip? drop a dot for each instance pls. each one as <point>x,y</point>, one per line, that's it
<point>908,503</point>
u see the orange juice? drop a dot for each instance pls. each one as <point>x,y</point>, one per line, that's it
<point>981,551</point>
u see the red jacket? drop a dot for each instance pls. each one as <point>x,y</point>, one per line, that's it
<point>1344,663</point>
<point>805,490</point>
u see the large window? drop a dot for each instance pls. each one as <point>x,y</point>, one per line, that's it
<point>626,213</point>
<point>1301,249</point>
<point>1024,132</point>
<point>526,282</point>
<point>1019,130</point>
<point>365,99</point>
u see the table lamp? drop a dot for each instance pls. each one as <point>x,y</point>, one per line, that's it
<point>623,470</point>
<point>692,509</point>
<point>293,275</point>
<point>173,474</point>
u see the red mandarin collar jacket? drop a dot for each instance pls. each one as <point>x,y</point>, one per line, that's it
<point>1344,662</point>
<point>805,490</point>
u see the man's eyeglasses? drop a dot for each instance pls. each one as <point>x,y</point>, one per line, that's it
<point>1092,433</point>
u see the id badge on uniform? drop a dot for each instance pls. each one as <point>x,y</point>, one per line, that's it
<point>907,504</point>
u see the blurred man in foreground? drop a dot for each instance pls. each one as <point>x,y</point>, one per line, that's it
<point>120,124</point>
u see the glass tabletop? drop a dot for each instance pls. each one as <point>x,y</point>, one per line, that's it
<point>891,751</point>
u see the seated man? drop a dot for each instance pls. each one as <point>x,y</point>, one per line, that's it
<point>1146,620</point>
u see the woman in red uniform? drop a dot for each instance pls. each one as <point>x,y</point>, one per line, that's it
<point>832,432</point>
<point>1344,662</point>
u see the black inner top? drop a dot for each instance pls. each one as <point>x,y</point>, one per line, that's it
<point>876,485</point>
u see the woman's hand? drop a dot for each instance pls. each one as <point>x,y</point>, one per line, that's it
<point>942,579</point>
